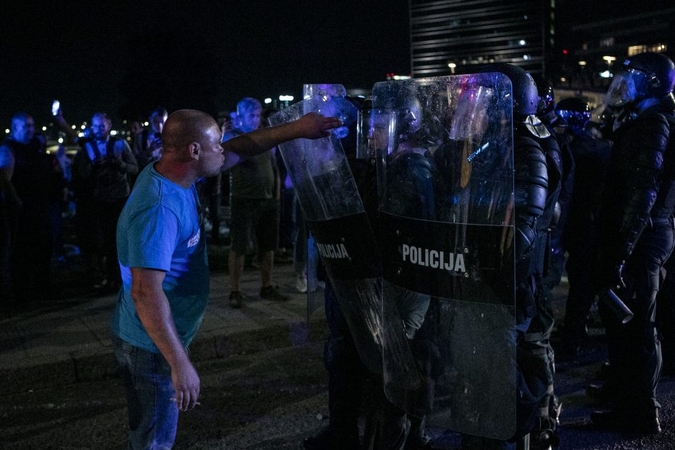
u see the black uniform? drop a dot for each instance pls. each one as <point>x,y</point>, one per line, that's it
<point>636,227</point>
<point>537,185</point>
<point>591,159</point>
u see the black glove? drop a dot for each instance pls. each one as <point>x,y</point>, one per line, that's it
<point>609,277</point>
<point>616,281</point>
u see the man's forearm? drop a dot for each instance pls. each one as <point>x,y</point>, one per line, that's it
<point>155,315</point>
<point>261,140</point>
<point>310,126</point>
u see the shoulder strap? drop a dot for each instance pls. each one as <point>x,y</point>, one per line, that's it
<point>92,149</point>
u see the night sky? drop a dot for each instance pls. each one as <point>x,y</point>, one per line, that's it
<point>125,57</point>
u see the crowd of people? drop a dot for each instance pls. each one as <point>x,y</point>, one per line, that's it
<point>65,205</point>
<point>592,197</point>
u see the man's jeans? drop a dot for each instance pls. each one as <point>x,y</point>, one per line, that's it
<point>153,414</point>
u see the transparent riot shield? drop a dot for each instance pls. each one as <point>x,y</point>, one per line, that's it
<point>335,214</point>
<point>445,163</point>
<point>332,97</point>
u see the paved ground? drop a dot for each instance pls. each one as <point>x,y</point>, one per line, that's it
<point>263,381</point>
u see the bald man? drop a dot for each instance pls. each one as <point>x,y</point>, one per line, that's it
<point>164,266</point>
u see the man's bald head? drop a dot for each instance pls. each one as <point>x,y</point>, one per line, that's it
<point>185,126</point>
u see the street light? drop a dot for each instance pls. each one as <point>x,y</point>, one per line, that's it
<point>609,60</point>
<point>452,67</point>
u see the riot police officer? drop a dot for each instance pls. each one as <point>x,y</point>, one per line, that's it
<point>636,235</point>
<point>538,171</point>
<point>353,386</point>
<point>547,111</point>
<point>591,158</point>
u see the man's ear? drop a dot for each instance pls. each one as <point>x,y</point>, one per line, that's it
<point>195,150</point>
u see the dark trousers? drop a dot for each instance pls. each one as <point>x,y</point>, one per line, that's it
<point>97,233</point>
<point>665,316</point>
<point>634,348</point>
<point>345,371</point>
<point>581,294</point>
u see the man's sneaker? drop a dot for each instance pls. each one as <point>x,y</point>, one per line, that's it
<point>236,299</point>
<point>270,293</point>
<point>301,284</point>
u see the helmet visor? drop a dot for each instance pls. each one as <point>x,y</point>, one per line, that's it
<point>574,118</point>
<point>627,86</point>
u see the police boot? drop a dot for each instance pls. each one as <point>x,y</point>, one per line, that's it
<point>344,399</point>
<point>331,439</point>
<point>386,433</point>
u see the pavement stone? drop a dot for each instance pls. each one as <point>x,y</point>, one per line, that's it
<point>64,341</point>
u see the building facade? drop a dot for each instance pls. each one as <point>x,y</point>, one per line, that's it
<point>595,48</point>
<point>454,36</point>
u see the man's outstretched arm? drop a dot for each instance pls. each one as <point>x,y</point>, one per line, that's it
<point>309,126</point>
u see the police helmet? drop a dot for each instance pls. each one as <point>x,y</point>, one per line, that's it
<point>525,95</point>
<point>546,102</point>
<point>646,75</point>
<point>574,111</point>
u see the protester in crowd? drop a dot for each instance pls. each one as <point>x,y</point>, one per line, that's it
<point>254,206</point>
<point>283,252</point>
<point>30,179</point>
<point>147,144</point>
<point>101,172</point>
<point>164,267</point>
<point>135,128</point>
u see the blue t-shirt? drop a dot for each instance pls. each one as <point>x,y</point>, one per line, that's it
<point>159,228</point>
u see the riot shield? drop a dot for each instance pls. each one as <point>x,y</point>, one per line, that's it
<point>334,103</point>
<point>445,163</point>
<point>335,214</point>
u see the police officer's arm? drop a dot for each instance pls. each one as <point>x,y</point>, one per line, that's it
<point>155,314</point>
<point>530,190</point>
<point>309,126</point>
<point>646,164</point>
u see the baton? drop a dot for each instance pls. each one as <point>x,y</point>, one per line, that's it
<point>616,305</point>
